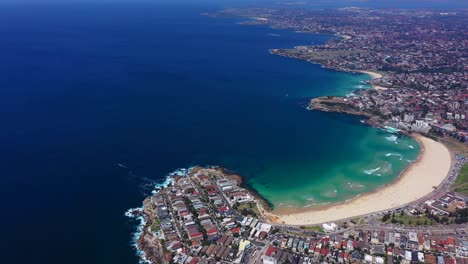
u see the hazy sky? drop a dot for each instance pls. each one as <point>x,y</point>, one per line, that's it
<point>372,3</point>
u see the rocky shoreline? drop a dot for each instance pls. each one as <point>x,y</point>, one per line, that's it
<point>338,105</point>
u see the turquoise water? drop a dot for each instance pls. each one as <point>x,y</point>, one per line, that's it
<point>351,167</point>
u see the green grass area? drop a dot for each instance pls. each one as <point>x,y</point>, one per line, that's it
<point>155,226</point>
<point>314,228</point>
<point>358,221</point>
<point>410,220</point>
<point>461,183</point>
<point>250,207</point>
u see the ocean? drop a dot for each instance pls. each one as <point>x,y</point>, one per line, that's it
<point>155,87</point>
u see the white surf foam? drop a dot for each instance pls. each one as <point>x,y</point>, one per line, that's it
<point>169,180</point>
<point>370,171</point>
<point>386,168</point>
<point>394,154</point>
<point>139,231</point>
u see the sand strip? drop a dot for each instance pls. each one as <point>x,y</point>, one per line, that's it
<point>417,181</point>
<point>374,75</point>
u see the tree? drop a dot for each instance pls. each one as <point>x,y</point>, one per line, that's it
<point>385,217</point>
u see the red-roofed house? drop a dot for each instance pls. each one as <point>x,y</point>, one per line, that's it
<point>168,256</point>
<point>443,242</point>
<point>196,236</point>
<point>212,232</point>
<point>224,209</point>
<point>451,241</point>
<point>324,252</point>
<point>270,251</point>
<point>317,251</point>
<point>235,230</point>
<point>312,245</point>
<point>390,251</point>
<point>346,255</point>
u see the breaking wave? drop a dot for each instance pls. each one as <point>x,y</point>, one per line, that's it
<point>392,138</point>
<point>381,170</point>
<point>370,171</point>
<point>394,154</point>
<point>169,180</point>
<point>386,168</point>
<point>354,186</point>
<point>135,213</point>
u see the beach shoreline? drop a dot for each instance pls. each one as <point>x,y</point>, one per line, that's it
<point>415,182</point>
<point>373,75</point>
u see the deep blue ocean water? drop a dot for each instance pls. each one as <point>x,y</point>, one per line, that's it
<point>155,87</point>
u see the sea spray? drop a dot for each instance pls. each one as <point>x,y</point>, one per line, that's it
<point>169,179</point>
<point>136,213</point>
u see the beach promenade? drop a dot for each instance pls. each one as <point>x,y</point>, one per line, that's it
<point>417,181</point>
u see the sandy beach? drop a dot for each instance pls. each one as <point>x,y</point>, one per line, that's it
<point>374,75</point>
<point>417,181</point>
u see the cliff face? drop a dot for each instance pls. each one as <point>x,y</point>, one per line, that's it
<point>147,242</point>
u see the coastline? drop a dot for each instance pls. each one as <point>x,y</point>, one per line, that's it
<point>417,181</point>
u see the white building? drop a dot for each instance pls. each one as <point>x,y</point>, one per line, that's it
<point>449,127</point>
<point>329,227</point>
<point>408,118</point>
<point>420,127</point>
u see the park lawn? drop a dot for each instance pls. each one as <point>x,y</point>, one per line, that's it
<point>462,181</point>
<point>411,220</point>
<point>251,206</point>
<point>315,229</point>
<point>155,226</point>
